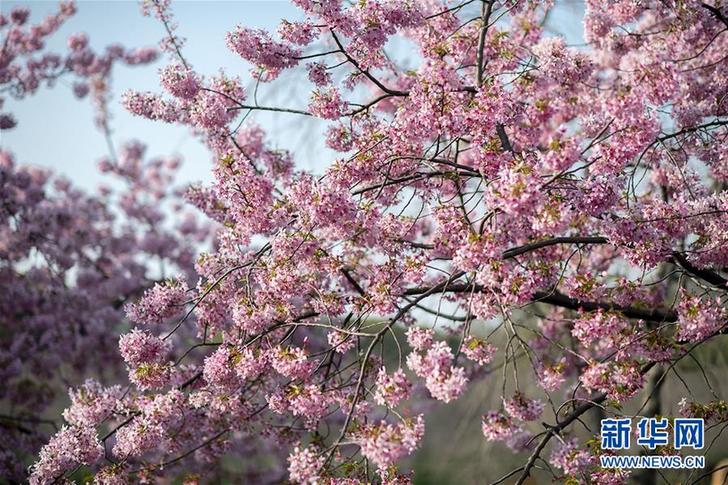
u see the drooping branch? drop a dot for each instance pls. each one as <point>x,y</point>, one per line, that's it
<point>526,248</point>
<point>704,274</point>
<point>716,13</point>
<point>513,252</point>
<point>355,63</point>
<point>486,11</point>
<point>557,299</point>
<point>503,137</point>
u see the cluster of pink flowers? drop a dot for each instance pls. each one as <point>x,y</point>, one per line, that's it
<point>317,74</point>
<point>445,381</point>
<point>604,331</point>
<point>551,378</point>
<point>141,347</point>
<point>341,341</point>
<point>557,62</point>
<point>299,33</point>
<point>571,458</point>
<point>327,103</point>
<point>70,447</point>
<point>304,465</point>
<point>219,368</point>
<point>259,48</point>
<point>392,389</point>
<point>179,81</point>
<point>478,350</point>
<point>158,419</point>
<point>712,411</point>
<point>292,362</point>
<point>420,339</point>
<point>384,443</point>
<point>159,303</point>
<point>522,408</point>
<point>700,318</point>
<point>307,402</point>
<point>91,403</point>
<point>70,260</point>
<point>620,380</point>
<point>22,73</point>
<point>497,426</point>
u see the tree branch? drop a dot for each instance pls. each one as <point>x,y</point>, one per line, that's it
<point>513,252</point>
<point>704,274</point>
<point>503,137</point>
<point>486,10</point>
<point>554,430</point>
<point>716,13</point>
<point>368,75</point>
<point>561,300</point>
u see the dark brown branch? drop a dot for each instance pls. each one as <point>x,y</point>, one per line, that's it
<point>561,300</point>
<point>692,129</point>
<point>440,287</point>
<point>503,137</point>
<point>269,108</point>
<point>352,281</point>
<point>704,274</point>
<point>319,54</point>
<point>366,73</point>
<point>365,107</point>
<point>487,9</point>
<point>513,252</point>
<point>413,177</point>
<point>716,13</point>
<point>172,38</point>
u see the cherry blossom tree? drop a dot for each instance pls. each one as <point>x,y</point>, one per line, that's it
<point>509,204</point>
<point>69,259</point>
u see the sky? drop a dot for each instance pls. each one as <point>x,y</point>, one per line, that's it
<point>57,131</point>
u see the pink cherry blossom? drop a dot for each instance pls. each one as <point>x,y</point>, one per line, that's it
<point>391,389</point>
<point>498,427</point>
<point>141,347</point>
<point>699,319</point>
<point>327,104</point>
<point>159,303</point>
<point>385,443</point>
<point>304,465</point>
<point>570,458</point>
<point>478,350</point>
<point>70,447</point>
<point>522,408</point>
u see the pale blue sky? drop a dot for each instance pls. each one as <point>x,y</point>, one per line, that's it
<point>56,130</point>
